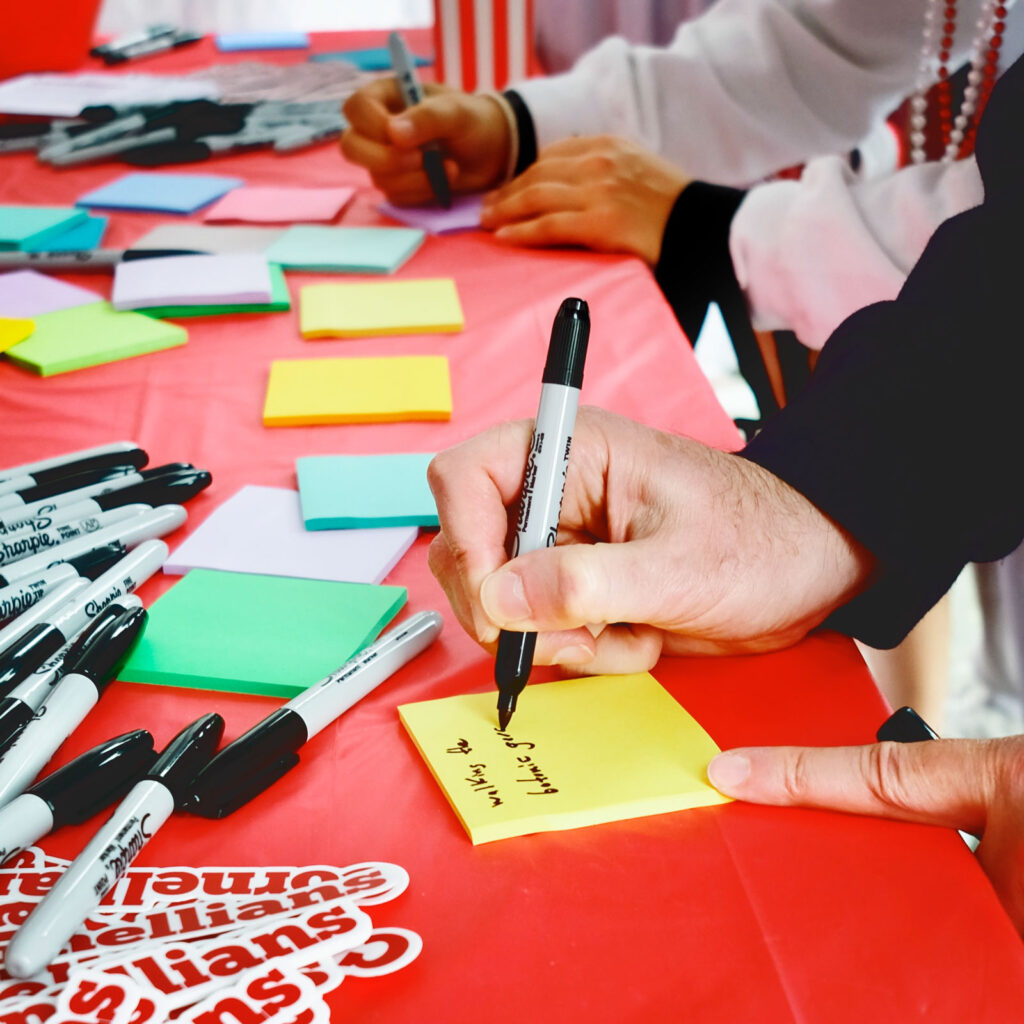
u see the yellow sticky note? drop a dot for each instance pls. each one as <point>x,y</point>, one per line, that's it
<point>577,752</point>
<point>362,308</point>
<point>383,389</point>
<point>13,331</point>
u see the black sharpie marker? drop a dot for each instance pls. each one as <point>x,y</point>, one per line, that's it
<point>540,500</point>
<point>57,461</point>
<point>108,855</point>
<point>62,483</point>
<point>258,758</point>
<point>74,793</point>
<point>105,462</point>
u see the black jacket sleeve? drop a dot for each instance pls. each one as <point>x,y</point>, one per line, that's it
<point>906,435</point>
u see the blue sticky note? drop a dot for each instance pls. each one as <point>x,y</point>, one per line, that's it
<point>373,58</point>
<point>356,250</point>
<point>231,42</point>
<point>168,193</point>
<point>86,234</point>
<point>350,491</point>
<point>22,226</point>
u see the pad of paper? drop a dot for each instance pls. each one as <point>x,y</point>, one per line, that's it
<point>463,215</point>
<point>84,234</point>
<point>357,250</point>
<point>257,634</point>
<point>29,293</point>
<point>360,308</point>
<point>384,389</point>
<point>13,331</point>
<point>191,281</point>
<point>260,530</point>
<point>577,752</point>
<point>154,190</point>
<point>207,238</point>
<point>280,300</point>
<point>89,335</point>
<point>340,492</point>
<point>230,42</point>
<point>23,226</point>
<point>280,205</point>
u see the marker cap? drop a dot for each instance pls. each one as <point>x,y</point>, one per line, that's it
<point>172,489</point>
<point>249,765</point>
<point>101,656</point>
<point>40,642</point>
<point>93,564</point>
<point>135,459</point>
<point>183,758</point>
<point>96,778</point>
<point>567,349</point>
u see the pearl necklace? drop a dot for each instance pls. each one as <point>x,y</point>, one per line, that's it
<point>938,35</point>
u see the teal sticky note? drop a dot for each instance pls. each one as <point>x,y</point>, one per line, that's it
<point>86,234</point>
<point>356,250</point>
<point>273,635</point>
<point>371,58</point>
<point>23,226</point>
<point>349,491</point>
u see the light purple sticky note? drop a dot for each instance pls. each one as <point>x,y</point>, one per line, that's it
<point>201,280</point>
<point>27,293</point>
<point>261,530</point>
<point>464,215</point>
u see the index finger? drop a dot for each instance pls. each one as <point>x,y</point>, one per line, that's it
<point>369,108</point>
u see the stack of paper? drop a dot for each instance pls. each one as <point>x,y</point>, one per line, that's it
<point>257,634</point>
<point>462,215</point>
<point>73,339</point>
<point>339,492</point>
<point>233,42</point>
<point>155,190</point>
<point>355,250</point>
<point>14,330</point>
<point>27,293</point>
<point>31,227</point>
<point>239,279</point>
<point>385,389</point>
<point>357,309</point>
<point>260,530</point>
<point>209,239</point>
<point>280,301</point>
<point>280,205</point>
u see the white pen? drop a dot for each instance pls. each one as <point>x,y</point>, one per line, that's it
<point>27,541</point>
<point>27,468</point>
<point>261,756</point>
<point>151,523</point>
<point>17,598</point>
<point>105,859</point>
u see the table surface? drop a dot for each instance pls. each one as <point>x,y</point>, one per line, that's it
<point>729,913</point>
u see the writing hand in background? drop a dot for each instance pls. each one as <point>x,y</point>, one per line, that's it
<point>664,545</point>
<point>602,193</point>
<point>384,137</point>
<point>973,785</point>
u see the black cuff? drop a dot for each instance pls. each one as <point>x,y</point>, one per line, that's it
<point>524,125</point>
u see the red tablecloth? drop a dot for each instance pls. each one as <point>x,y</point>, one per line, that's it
<point>731,913</point>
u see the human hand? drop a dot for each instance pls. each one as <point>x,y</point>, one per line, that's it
<point>664,544</point>
<point>973,785</point>
<point>602,193</point>
<point>384,137</point>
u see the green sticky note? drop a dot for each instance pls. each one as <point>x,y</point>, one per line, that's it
<point>280,301</point>
<point>72,339</point>
<point>357,250</point>
<point>273,635</point>
<point>347,491</point>
<point>22,227</point>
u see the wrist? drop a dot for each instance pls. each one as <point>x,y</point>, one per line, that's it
<point>510,135</point>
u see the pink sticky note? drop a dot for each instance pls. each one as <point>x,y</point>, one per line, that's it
<point>274,204</point>
<point>26,293</point>
<point>464,215</point>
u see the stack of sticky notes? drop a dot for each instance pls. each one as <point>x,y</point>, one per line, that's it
<point>382,389</point>
<point>209,238</point>
<point>73,327</point>
<point>235,42</point>
<point>352,250</point>
<point>194,285</point>
<point>361,308</point>
<point>462,215</point>
<point>35,228</point>
<point>342,492</point>
<point>13,330</point>
<point>257,634</point>
<point>277,204</point>
<point>260,530</point>
<point>541,775</point>
<point>156,190</point>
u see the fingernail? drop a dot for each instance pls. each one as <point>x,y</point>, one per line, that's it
<point>401,127</point>
<point>503,598</point>
<point>728,771</point>
<point>575,654</point>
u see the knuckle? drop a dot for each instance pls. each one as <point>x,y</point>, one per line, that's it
<point>886,776</point>
<point>796,776</point>
<point>574,586</point>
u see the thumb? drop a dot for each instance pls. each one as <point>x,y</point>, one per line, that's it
<point>573,585</point>
<point>938,782</point>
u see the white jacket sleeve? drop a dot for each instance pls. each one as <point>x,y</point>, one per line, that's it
<point>748,88</point>
<point>809,253</point>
